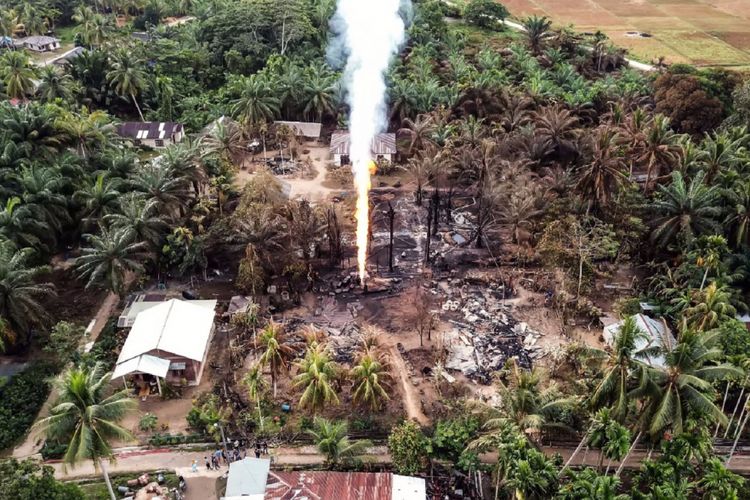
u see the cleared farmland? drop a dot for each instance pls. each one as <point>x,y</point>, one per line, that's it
<point>701,32</point>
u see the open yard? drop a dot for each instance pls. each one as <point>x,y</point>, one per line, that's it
<point>701,32</point>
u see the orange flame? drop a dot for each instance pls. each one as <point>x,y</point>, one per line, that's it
<point>362,172</point>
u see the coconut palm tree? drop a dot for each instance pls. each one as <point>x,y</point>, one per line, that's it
<point>277,350</point>
<point>55,84</point>
<point>10,24</point>
<point>332,441</point>
<point>127,77</point>
<point>685,385</point>
<point>720,153</point>
<point>317,373</point>
<point>685,210</point>
<point>20,289</point>
<point>525,403</point>
<point>537,30</point>
<point>737,221</point>
<point>622,366</point>
<point>17,74</point>
<point>711,307</point>
<point>109,256</point>
<point>86,418</point>
<point>257,102</point>
<point>256,385</point>
<point>141,219</point>
<point>370,377</point>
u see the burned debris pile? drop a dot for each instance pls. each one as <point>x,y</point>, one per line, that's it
<point>484,335</point>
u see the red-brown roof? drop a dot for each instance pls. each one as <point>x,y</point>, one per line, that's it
<point>323,485</point>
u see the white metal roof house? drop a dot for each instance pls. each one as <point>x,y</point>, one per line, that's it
<point>168,341</point>
<point>383,147</point>
<point>152,134</point>
<point>657,335</point>
<point>38,43</point>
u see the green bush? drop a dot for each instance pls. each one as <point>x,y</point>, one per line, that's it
<point>20,401</point>
<point>147,422</point>
<point>52,450</point>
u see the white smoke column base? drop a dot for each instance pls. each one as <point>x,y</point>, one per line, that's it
<point>373,31</point>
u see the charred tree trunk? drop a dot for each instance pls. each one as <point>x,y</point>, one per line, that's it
<point>391,216</point>
<point>429,233</point>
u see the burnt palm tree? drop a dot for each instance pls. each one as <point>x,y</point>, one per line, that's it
<point>659,150</point>
<point>559,126</point>
<point>419,131</point>
<point>226,141</point>
<point>599,178</point>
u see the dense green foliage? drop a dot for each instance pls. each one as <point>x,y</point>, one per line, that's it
<point>27,480</point>
<point>20,401</point>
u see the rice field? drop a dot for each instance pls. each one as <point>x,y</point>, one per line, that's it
<point>701,32</point>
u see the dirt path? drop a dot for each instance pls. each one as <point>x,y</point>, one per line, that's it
<point>412,401</point>
<point>33,443</point>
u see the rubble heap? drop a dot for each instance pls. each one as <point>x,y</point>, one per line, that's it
<point>485,334</point>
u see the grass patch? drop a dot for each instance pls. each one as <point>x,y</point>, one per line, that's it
<point>66,34</point>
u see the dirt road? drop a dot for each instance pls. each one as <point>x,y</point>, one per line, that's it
<point>412,401</point>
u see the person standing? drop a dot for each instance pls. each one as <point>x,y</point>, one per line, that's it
<point>208,463</point>
<point>194,466</point>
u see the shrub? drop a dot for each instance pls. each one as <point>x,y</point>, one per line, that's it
<point>485,13</point>
<point>20,401</point>
<point>147,423</point>
<point>408,447</point>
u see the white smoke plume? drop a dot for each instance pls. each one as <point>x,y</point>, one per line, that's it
<point>370,33</point>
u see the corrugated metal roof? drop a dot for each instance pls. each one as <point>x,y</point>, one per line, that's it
<point>304,129</point>
<point>328,485</point>
<point>382,144</point>
<point>247,477</point>
<point>148,130</point>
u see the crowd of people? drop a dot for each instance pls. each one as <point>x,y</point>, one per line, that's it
<point>227,456</point>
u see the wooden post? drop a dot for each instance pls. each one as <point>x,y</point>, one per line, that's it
<point>391,215</point>
<point>158,385</point>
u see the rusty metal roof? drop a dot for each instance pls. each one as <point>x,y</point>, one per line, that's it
<point>382,144</point>
<point>324,485</point>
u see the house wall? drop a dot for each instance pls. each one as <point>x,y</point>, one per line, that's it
<point>192,367</point>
